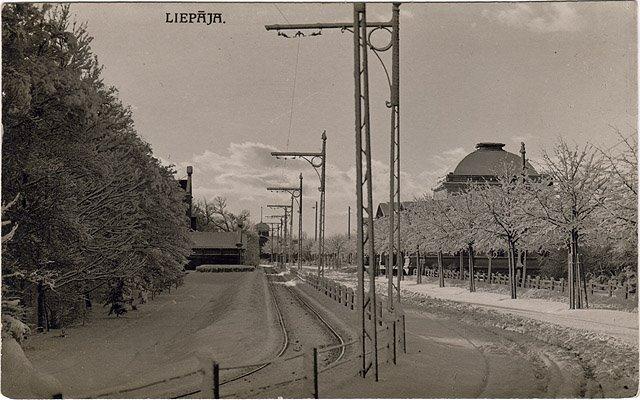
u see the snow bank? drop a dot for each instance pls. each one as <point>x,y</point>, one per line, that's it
<point>621,325</point>
<point>20,379</point>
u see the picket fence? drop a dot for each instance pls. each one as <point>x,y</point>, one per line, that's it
<point>610,288</point>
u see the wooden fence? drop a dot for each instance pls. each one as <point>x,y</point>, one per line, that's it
<point>610,288</point>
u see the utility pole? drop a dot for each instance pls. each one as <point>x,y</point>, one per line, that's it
<point>300,227</point>
<point>273,226</point>
<point>288,210</point>
<point>318,161</point>
<point>315,229</point>
<point>365,240</point>
<point>349,225</point>
<point>296,193</point>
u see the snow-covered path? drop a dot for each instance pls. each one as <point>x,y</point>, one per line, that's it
<point>217,315</point>
<point>619,324</point>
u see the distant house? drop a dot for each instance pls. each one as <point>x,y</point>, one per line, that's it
<point>217,248</point>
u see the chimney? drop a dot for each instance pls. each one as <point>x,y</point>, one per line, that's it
<point>192,219</point>
<point>523,153</point>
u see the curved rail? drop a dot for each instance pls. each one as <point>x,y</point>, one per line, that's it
<point>285,345</point>
<point>285,342</point>
<point>324,321</point>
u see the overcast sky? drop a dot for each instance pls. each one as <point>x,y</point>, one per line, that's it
<point>220,97</point>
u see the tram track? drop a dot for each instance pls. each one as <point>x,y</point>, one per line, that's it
<point>258,367</point>
<point>287,311</point>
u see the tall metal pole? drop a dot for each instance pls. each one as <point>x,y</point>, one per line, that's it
<point>289,248</point>
<point>395,129</point>
<point>286,251</point>
<point>366,301</point>
<point>300,227</point>
<point>365,222</point>
<point>280,254</point>
<point>323,204</point>
<point>349,224</point>
<point>315,228</point>
<point>318,162</point>
<point>270,240</point>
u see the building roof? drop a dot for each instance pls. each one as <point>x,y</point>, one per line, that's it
<point>491,159</point>
<point>383,208</point>
<point>216,240</point>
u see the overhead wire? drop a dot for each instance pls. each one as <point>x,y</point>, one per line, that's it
<point>293,92</point>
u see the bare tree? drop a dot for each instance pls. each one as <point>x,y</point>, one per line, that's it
<point>215,216</point>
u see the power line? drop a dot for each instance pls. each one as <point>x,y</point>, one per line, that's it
<point>281,13</point>
<point>293,96</point>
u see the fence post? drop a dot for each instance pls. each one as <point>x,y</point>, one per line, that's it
<point>210,372</point>
<point>216,380</point>
<point>610,288</point>
<point>311,372</point>
<point>562,284</point>
<point>390,338</point>
<point>404,335</point>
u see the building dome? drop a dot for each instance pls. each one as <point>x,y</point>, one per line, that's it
<point>491,159</point>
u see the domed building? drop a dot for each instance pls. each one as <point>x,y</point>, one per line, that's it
<point>485,164</point>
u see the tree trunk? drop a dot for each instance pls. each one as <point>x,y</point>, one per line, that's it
<point>583,272</point>
<point>512,269</point>
<point>418,268</point>
<point>578,278</point>
<point>472,280</point>
<point>41,311</point>
<point>440,269</point>
<point>524,269</point>
<point>461,265</point>
<point>572,299</point>
<point>489,268</point>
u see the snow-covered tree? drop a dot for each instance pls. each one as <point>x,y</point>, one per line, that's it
<point>95,205</point>
<point>576,184</point>
<point>619,211</point>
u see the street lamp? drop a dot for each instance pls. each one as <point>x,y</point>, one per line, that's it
<point>296,193</point>
<point>318,161</point>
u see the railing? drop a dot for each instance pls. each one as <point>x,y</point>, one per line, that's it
<point>345,296</point>
<point>610,288</point>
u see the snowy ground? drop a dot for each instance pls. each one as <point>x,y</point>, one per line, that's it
<point>622,325</point>
<point>217,315</point>
<point>459,344</point>
<point>599,348</point>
